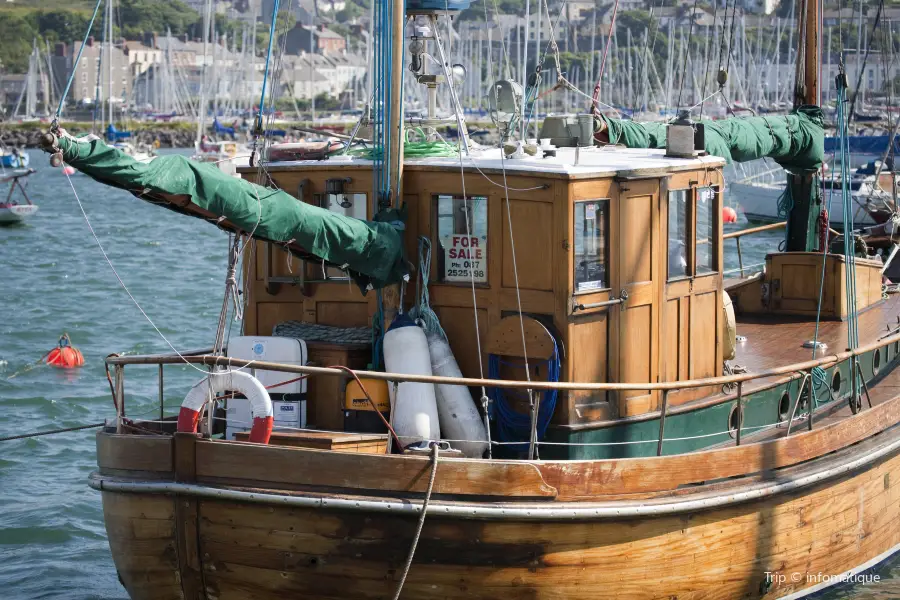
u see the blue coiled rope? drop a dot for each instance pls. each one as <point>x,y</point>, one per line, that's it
<point>513,426</point>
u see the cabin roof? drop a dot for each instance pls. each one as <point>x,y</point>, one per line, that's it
<point>608,161</point>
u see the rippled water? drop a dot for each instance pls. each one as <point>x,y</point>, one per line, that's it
<point>54,279</point>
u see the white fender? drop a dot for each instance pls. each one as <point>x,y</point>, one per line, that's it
<point>415,413</point>
<point>729,343</point>
<point>237,381</point>
<point>458,415</point>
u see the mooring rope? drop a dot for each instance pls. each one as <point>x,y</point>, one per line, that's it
<point>50,432</point>
<point>435,451</point>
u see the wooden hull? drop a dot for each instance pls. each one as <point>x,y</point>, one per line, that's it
<point>769,534</point>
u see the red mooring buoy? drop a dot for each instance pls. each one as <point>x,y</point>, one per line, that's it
<point>64,356</point>
<point>729,215</point>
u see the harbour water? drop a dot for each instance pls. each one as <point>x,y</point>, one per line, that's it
<point>54,279</point>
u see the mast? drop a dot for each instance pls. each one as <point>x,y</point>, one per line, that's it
<point>802,230</point>
<point>391,297</point>
<point>396,101</point>
<point>109,55</point>
<point>201,109</point>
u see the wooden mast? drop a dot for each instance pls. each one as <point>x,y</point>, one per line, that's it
<point>811,64</point>
<point>802,229</point>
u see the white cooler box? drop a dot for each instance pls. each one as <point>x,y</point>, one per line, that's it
<point>288,401</point>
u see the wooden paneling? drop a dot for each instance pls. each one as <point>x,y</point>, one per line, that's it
<point>463,339</point>
<point>256,464</point>
<point>795,282</point>
<point>586,360</point>
<point>269,552</point>
<point>635,233</point>
<point>532,230</point>
<point>141,534</point>
<point>704,329</point>
<point>270,314</point>
<point>134,453</point>
<point>638,317</point>
<point>672,341</point>
<point>343,314</point>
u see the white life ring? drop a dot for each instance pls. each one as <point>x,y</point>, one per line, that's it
<point>237,381</point>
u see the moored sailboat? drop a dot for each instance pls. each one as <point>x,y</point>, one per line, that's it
<point>581,292</point>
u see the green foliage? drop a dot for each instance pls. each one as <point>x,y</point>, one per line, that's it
<point>28,20</point>
<point>138,16</point>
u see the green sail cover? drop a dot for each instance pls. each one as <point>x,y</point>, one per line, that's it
<point>795,141</point>
<point>371,251</point>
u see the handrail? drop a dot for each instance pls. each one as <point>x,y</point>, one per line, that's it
<point>752,230</point>
<point>223,361</point>
<point>737,235</point>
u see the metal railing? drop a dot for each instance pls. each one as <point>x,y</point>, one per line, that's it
<point>737,235</point>
<point>801,370</point>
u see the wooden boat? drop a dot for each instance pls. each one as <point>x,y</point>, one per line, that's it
<point>13,211</point>
<point>590,281</point>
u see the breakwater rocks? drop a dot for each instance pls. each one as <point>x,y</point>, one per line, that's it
<point>30,137</point>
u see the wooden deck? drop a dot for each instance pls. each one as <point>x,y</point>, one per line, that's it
<point>774,342</point>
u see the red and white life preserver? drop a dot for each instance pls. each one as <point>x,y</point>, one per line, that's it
<point>237,381</point>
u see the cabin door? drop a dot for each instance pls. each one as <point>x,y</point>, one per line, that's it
<point>691,312</point>
<point>638,276</point>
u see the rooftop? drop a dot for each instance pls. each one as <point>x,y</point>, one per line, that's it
<point>607,161</point>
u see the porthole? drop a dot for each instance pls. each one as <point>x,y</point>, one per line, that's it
<point>836,381</point>
<point>784,406</point>
<point>876,361</point>
<point>733,421</point>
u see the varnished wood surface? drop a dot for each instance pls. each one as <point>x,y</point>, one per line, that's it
<point>778,341</point>
<point>326,440</point>
<point>250,551</point>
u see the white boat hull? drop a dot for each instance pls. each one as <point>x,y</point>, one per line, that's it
<point>16,213</point>
<point>760,205</point>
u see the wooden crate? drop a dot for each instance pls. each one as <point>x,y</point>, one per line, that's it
<point>359,443</point>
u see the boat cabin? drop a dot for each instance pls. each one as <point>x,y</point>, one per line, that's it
<point>615,256</point>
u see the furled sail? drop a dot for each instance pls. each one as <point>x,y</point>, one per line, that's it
<point>795,141</point>
<point>371,251</point>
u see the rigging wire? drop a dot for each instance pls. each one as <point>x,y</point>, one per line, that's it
<point>62,98</point>
<point>861,69</point>
<point>122,283</point>
<point>612,26</point>
<point>687,51</point>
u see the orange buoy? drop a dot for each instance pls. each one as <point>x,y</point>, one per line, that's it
<point>64,356</point>
<point>729,215</point>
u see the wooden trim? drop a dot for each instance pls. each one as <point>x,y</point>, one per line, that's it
<point>258,466</point>
<point>123,452</point>
<point>187,518</point>
<point>581,480</point>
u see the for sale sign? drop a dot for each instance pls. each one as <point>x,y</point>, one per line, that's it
<point>465,259</point>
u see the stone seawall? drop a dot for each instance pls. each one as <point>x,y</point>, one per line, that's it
<point>29,137</point>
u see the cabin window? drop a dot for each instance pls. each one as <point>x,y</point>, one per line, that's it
<point>591,248</point>
<point>678,233</point>
<point>462,235</point>
<point>706,219</point>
